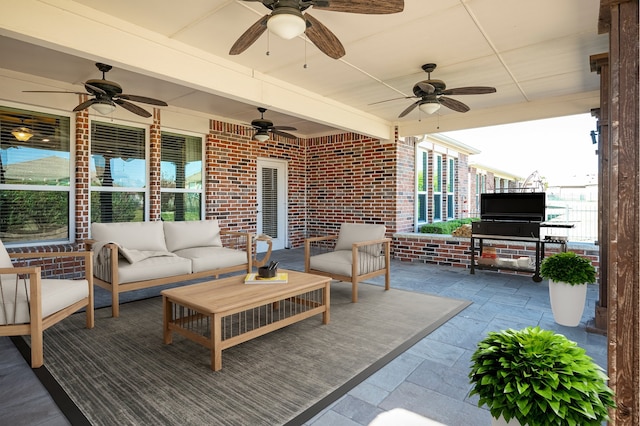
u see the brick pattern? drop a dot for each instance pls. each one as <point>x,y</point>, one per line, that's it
<point>351,178</point>
<point>445,250</point>
<point>155,138</point>
<point>405,186</point>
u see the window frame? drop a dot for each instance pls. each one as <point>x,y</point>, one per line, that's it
<point>70,189</point>
<point>201,191</point>
<point>422,161</point>
<point>120,189</point>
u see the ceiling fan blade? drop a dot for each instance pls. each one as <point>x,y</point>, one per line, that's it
<point>133,108</point>
<point>453,104</point>
<point>283,134</point>
<point>323,38</point>
<point>393,99</point>
<point>54,91</point>
<point>249,36</point>
<point>409,108</point>
<point>426,87</point>
<point>283,128</point>
<point>85,104</point>
<point>143,99</point>
<point>369,7</point>
<point>472,90</point>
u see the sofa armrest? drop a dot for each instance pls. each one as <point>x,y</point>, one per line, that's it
<point>87,257</point>
<point>239,240</point>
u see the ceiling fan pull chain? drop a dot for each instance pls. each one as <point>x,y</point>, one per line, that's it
<point>268,39</point>
<point>305,51</point>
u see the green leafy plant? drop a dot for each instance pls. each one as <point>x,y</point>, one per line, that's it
<point>539,378</point>
<point>569,268</point>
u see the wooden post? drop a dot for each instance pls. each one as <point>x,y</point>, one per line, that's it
<point>620,19</point>
<point>600,64</point>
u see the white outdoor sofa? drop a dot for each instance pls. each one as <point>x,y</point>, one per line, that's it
<point>136,255</point>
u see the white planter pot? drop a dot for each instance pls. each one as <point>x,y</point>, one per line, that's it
<point>500,421</point>
<point>567,302</point>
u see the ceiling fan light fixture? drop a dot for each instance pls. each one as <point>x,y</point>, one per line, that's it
<point>22,133</point>
<point>104,107</point>
<point>430,107</point>
<point>261,136</point>
<point>286,23</point>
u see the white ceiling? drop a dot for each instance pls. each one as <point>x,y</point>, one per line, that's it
<point>536,54</point>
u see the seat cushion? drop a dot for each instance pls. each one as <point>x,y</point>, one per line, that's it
<point>152,267</point>
<point>339,262</point>
<point>57,294</point>
<point>358,232</point>
<point>198,233</point>
<point>131,235</point>
<point>209,258</point>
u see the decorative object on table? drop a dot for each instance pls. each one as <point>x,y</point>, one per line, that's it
<point>568,275</point>
<point>539,378</point>
<point>267,275</point>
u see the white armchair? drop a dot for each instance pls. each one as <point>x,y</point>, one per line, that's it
<point>29,304</point>
<point>358,252</point>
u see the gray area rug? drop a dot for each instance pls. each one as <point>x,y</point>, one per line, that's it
<point>121,373</point>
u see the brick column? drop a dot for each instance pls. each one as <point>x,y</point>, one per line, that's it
<point>155,145</point>
<point>82,174</point>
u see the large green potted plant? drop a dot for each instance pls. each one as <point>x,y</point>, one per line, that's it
<point>539,378</point>
<point>568,275</point>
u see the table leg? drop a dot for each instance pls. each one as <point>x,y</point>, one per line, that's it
<point>216,342</point>
<point>326,294</point>
<point>166,318</point>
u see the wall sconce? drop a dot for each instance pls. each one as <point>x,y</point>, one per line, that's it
<point>22,133</point>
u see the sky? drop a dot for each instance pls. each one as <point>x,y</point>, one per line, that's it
<point>559,149</point>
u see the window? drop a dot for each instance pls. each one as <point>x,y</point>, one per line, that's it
<point>181,177</point>
<point>437,188</point>
<point>35,177</point>
<point>421,185</point>
<point>451,179</point>
<point>118,173</point>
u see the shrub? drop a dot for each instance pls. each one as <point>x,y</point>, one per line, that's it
<point>569,268</point>
<point>539,378</point>
<point>444,227</point>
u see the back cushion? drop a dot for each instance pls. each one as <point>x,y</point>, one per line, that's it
<point>356,233</point>
<point>199,233</point>
<point>131,235</point>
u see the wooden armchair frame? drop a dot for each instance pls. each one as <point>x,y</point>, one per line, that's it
<point>38,323</point>
<point>356,260</point>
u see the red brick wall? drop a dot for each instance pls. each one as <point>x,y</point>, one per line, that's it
<point>155,152</point>
<point>445,250</point>
<point>405,189</point>
<point>350,178</point>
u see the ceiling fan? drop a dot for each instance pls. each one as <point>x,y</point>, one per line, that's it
<point>107,94</point>
<point>264,126</point>
<point>430,94</point>
<point>287,21</point>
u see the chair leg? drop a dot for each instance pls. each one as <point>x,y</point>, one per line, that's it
<point>354,291</point>
<point>37,351</point>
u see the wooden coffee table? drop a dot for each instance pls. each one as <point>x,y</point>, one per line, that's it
<point>223,313</point>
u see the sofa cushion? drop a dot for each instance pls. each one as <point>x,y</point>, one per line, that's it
<point>339,262</point>
<point>358,232</point>
<point>57,294</point>
<point>131,235</point>
<point>200,233</point>
<point>152,267</point>
<point>209,258</point>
